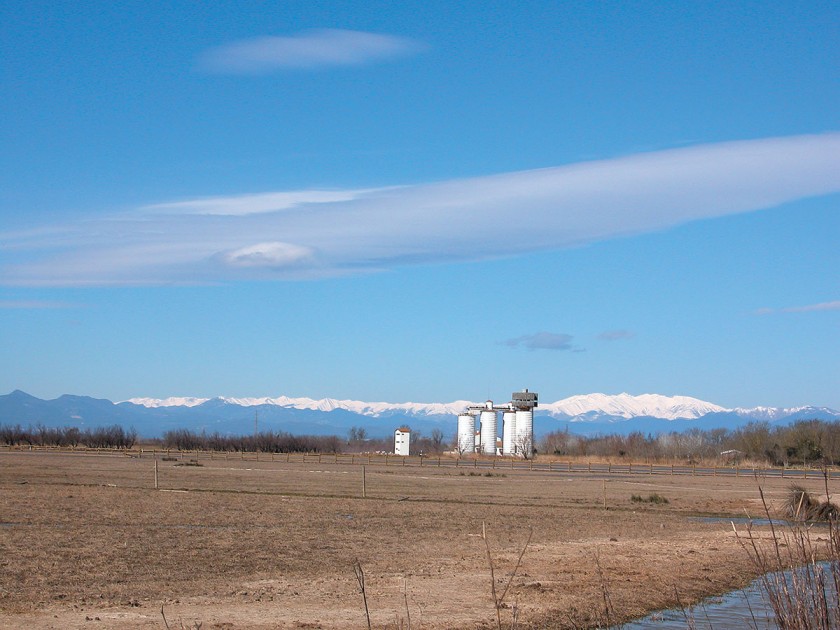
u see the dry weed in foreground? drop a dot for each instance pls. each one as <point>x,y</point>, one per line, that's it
<point>360,578</point>
<point>499,600</point>
<point>800,576</point>
<point>196,624</point>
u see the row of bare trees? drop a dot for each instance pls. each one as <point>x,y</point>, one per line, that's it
<point>113,436</point>
<point>803,442</point>
<point>265,442</point>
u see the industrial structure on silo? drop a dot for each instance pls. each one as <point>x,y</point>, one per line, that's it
<point>517,427</point>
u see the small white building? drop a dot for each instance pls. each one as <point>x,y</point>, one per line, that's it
<point>402,441</point>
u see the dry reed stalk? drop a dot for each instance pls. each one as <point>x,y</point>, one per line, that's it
<point>605,591</point>
<point>196,624</point>
<point>498,601</point>
<point>405,599</point>
<point>360,578</point>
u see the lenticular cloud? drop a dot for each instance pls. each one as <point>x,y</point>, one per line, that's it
<point>317,48</point>
<point>311,234</point>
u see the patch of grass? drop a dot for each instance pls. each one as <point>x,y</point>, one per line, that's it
<point>192,462</point>
<point>801,506</point>
<point>655,498</point>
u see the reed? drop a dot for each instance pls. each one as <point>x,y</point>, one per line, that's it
<point>800,567</point>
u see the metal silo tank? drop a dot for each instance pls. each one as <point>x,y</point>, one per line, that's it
<point>508,432</point>
<point>488,432</point>
<point>524,441</point>
<point>466,434</point>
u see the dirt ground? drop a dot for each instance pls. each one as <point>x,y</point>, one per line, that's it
<point>87,542</point>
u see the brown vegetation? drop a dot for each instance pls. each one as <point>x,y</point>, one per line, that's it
<point>807,442</point>
<point>799,566</point>
<point>242,543</point>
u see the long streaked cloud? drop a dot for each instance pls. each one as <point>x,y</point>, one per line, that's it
<point>254,204</point>
<point>320,48</point>
<point>807,308</point>
<point>312,234</point>
<point>542,341</point>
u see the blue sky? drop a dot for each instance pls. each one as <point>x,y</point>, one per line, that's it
<point>421,201</point>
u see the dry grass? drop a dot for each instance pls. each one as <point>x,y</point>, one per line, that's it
<point>272,545</point>
<point>799,567</point>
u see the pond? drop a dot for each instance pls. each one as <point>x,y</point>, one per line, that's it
<point>745,608</point>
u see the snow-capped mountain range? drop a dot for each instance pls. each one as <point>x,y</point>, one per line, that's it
<point>373,409</point>
<point>580,408</point>
<point>592,413</point>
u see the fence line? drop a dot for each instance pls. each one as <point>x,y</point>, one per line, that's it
<point>567,466</point>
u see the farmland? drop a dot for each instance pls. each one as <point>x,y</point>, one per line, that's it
<point>250,541</point>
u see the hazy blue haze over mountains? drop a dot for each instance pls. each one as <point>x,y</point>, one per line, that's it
<point>216,414</point>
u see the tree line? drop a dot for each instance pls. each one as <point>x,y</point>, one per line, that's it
<point>357,441</point>
<point>113,436</point>
<point>803,442</point>
<point>265,442</point>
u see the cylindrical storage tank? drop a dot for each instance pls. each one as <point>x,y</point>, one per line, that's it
<point>508,432</point>
<point>488,432</point>
<point>466,434</point>
<point>524,441</point>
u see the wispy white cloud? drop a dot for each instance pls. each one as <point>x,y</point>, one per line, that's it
<point>808,308</point>
<point>311,234</point>
<point>542,341</point>
<point>254,203</point>
<point>823,306</point>
<point>306,50</point>
<point>616,335</point>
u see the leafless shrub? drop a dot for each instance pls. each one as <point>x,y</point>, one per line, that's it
<point>499,600</point>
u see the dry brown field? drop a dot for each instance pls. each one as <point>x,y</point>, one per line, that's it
<point>87,542</point>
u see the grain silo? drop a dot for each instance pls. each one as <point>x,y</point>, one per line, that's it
<point>488,429</point>
<point>466,434</point>
<point>509,432</point>
<point>524,402</point>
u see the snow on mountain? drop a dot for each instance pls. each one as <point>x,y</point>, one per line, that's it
<point>629,406</point>
<point>587,407</point>
<point>775,413</point>
<point>174,401</point>
<point>373,409</point>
